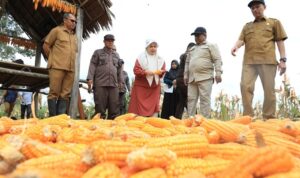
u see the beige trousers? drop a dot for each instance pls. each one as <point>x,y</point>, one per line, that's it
<point>266,73</point>
<point>202,89</point>
<point>61,84</point>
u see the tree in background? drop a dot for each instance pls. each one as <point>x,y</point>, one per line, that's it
<point>9,27</point>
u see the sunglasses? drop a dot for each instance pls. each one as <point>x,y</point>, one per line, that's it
<point>73,21</point>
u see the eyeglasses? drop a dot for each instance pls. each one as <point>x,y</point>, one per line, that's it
<point>73,21</point>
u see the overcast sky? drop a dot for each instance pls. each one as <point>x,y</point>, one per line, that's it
<point>171,22</point>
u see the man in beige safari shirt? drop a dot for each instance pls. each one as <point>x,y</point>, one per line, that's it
<point>259,38</point>
<point>60,47</point>
<point>203,60</point>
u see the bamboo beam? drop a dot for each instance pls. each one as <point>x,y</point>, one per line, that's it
<point>22,73</point>
<point>74,95</point>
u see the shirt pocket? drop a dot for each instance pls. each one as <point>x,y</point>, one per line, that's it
<point>102,59</point>
<point>268,32</point>
<point>249,34</point>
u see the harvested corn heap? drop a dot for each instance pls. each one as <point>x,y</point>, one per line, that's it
<point>132,146</point>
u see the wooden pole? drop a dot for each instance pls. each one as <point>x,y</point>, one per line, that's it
<point>74,96</point>
<point>38,56</point>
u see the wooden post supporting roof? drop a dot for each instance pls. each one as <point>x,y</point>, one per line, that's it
<point>74,96</point>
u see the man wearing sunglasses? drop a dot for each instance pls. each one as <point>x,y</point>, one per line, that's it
<point>60,47</point>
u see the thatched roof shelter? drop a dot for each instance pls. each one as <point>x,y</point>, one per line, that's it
<point>38,23</point>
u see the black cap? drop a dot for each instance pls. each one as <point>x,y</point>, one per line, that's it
<point>256,1</point>
<point>109,37</point>
<point>199,30</point>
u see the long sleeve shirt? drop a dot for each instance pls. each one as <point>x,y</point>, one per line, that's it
<point>105,68</point>
<point>202,61</point>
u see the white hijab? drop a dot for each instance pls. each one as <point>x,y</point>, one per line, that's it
<point>151,62</point>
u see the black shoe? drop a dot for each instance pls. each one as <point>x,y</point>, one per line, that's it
<point>61,106</point>
<point>52,107</point>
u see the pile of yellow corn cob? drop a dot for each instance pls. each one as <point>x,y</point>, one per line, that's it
<point>139,147</point>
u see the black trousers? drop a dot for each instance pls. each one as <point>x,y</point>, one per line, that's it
<point>182,98</point>
<point>27,109</point>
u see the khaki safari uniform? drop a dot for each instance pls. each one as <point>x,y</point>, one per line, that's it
<point>61,62</point>
<point>106,72</point>
<point>201,63</point>
<point>260,60</point>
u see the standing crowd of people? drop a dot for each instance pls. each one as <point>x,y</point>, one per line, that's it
<point>185,83</point>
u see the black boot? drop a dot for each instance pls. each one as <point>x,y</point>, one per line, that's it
<point>52,107</point>
<point>61,106</point>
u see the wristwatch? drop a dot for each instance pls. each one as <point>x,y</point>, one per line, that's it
<point>283,59</point>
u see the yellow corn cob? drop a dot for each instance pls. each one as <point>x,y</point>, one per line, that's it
<point>41,132</point>
<point>103,170</point>
<point>65,165</point>
<point>82,135</point>
<point>213,137</point>
<point>129,134</point>
<point>176,121</point>
<point>35,149</point>
<point>155,131</point>
<point>36,173</point>
<point>150,173</point>
<point>229,151</point>
<point>126,117</point>
<point>188,145</point>
<point>145,158</point>
<point>111,151</point>
<point>62,120</point>
<point>193,174</point>
<point>242,120</point>
<point>75,148</point>
<point>229,132</point>
<point>184,166</point>
<point>138,142</point>
<point>135,123</point>
<point>182,129</point>
<point>290,174</point>
<point>261,162</point>
<point>5,125</point>
<point>159,122</point>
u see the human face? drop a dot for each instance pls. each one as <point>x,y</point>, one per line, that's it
<point>70,22</point>
<point>174,65</point>
<point>257,10</point>
<point>109,44</point>
<point>152,48</point>
<point>200,38</point>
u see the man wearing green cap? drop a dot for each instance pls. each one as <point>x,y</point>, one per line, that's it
<point>259,38</point>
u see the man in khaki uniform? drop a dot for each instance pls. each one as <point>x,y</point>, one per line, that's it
<point>202,61</point>
<point>105,77</point>
<point>259,38</point>
<point>60,47</point>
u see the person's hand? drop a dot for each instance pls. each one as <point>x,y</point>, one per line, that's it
<point>149,72</point>
<point>234,50</point>
<point>218,79</point>
<point>90,84</point>
<point>174,82</point>
<point>281,67</point>
<point>185,81</point>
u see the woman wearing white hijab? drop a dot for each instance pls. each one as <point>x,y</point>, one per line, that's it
<point>148,69</point>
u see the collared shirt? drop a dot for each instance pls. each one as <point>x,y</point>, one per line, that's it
<point>63,48</point>
<point>201,62</point>
<point>105,68</point>
<point>260,38</point>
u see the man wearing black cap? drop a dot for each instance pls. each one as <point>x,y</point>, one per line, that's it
<point>105,77</point>
<point>202,61</point>
<point>259,38</point>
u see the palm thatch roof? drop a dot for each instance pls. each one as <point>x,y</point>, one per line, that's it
<point>38,23</point>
